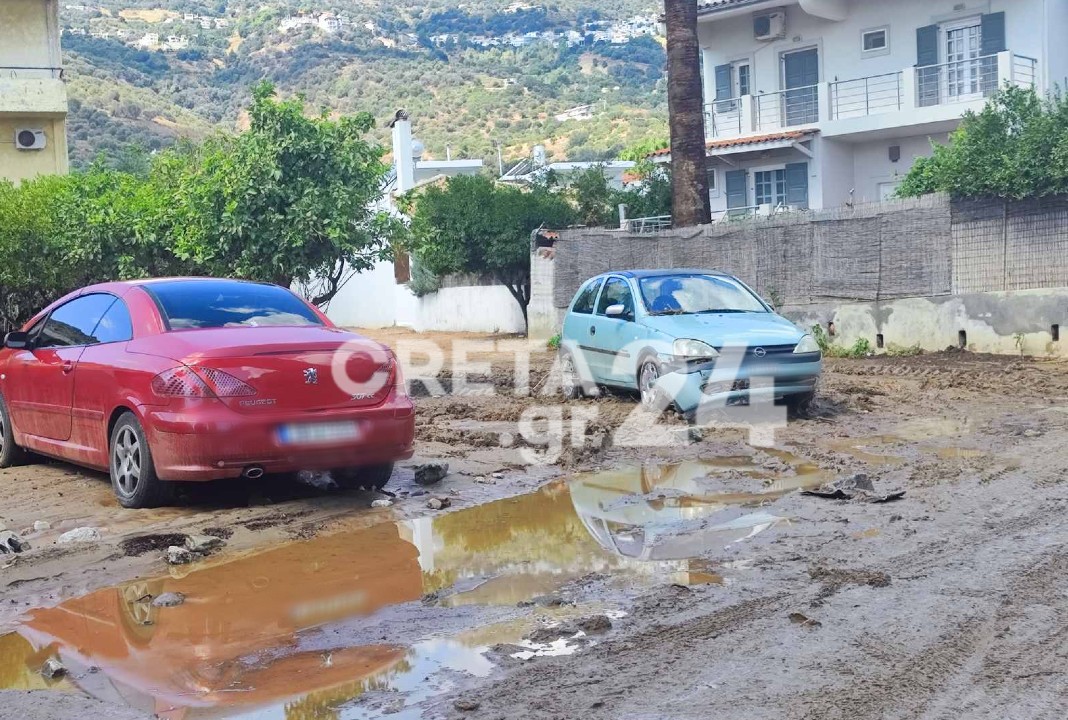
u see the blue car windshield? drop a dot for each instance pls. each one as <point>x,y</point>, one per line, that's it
<point>693,294</point>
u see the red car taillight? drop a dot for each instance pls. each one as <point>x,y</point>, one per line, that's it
<point>184,382</point>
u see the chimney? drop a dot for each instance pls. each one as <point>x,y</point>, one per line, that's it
<point>403,158</point>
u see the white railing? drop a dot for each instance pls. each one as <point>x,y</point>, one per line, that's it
<point>647,224</point>
<point>866,96</point>
<point>787,108</point>
<point>1025,71</point>
<point>723,118</point>
<point>957,81</point>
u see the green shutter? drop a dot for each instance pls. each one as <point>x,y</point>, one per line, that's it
<point>735,182</point>
<point>724,89</point>
<point>993,34</point>
<point>927,46</point>
<point>797,184</point>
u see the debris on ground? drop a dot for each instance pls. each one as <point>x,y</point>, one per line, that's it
<point>804,621</point>
<point>483,480</point>
<point>594,624</point>
<point>53,669</point>
<point>82,534</point>
<point>855,487</point>
<point>381,503</point>
<point>179,556</point>
<point>41,525</point>
<point>12,543</point>
<point>438,503</point>
<point>202,544</point>
<point>430,473</point>
<point>169,599</point>
<point>466,705</point>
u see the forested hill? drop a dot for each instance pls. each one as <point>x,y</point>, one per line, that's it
<point>142,73</point>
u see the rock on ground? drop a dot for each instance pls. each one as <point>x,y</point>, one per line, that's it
<point>179,555</point>
<point>202,543</point>
<point>12,543</point>
<point>430,473</point>
<point>82,534</point>
<point>52,669</point>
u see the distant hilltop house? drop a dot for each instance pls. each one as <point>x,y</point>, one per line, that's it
<point>823,103</point>
<point>327,22</point>
<point>580,112</point>
<point>33,95</point>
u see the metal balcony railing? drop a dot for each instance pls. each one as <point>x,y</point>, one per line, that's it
<point>787,108</point>
<point>866,96</point>
<point>647,224</point>
<point>1025,71</point>
<point>30,73</point>
<point>957,81</point>
<point>723,118</point>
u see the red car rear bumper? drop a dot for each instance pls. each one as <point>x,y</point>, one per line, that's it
<point>212,441</point>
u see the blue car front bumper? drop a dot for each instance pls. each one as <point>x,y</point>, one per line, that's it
<point>691,384</point>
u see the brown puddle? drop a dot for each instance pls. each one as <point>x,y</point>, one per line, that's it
<point>239,643</point>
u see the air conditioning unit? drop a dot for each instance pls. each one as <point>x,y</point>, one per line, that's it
<point>770,26</point>
<point>29,139</point>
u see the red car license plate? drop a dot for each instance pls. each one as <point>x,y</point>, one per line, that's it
<point>324,433</point>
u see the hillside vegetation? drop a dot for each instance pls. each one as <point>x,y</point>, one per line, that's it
<point>466,74</point>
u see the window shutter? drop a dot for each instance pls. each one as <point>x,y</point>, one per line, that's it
<point>797,184</point>
<point>993,34</point>
<point>927,46</point>
<point>735,181</point>
<point>723,82</point>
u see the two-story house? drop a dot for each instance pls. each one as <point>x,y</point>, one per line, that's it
<point>33,97</point>
<point>820,103</point>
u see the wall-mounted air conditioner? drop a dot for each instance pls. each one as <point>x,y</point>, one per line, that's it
<point>30,139</point>
<point>770,26</point>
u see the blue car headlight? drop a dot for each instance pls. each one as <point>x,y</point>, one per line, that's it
<point>688,349</point>
<point>808,344</point>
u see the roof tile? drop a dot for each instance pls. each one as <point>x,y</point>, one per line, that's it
<point>746,140</point>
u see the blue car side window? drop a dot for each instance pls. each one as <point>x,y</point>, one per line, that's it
<point>616,292</point>
<point>586,297</point>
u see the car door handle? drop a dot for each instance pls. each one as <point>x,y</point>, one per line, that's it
<point>593,330</point>
<point>67,366</point>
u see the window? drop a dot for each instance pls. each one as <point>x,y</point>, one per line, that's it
<point>616,292</point>
<point>769,187</point>
<point>876,41</point>
<point>189,304</point>
<point>584,300</point>
<point>963,46</point>
<point>741,78</point>
<point>72,324</point>
<point>115,326</point>
<point>690,294</point>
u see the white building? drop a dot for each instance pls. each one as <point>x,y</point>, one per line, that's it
<point>536,167</point>
<point>380,297</point>
<point>818,103</point>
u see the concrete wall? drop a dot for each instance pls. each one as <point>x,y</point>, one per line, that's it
<point>871,165</point>
<point>18,165</point>
<point>916,272</point>
<point>29,33</point>
<point>373,300</point>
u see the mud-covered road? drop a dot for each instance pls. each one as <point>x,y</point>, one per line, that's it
<point>686,578</point>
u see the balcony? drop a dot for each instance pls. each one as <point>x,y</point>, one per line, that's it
<point>925,98</point>
<point>32,91</point>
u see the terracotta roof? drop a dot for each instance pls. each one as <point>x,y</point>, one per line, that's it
<point>747,140</point>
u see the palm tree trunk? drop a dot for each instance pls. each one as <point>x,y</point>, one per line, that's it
<point>689,178</point>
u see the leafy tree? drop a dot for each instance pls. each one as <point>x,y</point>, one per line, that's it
<point>471,224</point>
<point>1015,147</point>
<point>289,200</point>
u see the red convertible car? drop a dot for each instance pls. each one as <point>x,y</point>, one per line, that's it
<point>185,379</point>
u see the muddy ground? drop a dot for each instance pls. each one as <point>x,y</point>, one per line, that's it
<point>689,578</point>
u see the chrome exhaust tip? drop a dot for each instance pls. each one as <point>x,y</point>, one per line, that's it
<point>253,472</point>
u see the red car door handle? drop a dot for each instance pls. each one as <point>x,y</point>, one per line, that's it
<point>67,366</point>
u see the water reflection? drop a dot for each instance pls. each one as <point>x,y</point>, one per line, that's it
<point>234,648</point>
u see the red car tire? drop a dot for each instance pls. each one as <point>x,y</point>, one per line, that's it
<point>133,474</point>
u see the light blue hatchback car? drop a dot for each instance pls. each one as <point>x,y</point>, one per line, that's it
<point>684,337</point>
